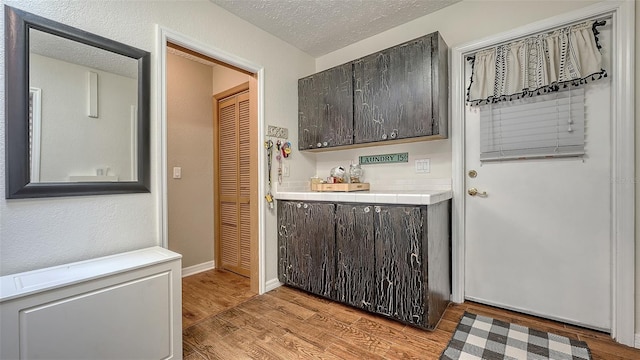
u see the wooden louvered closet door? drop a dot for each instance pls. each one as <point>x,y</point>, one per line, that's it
<point>234,184</point>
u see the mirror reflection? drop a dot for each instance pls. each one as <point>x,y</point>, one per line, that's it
<point>82,112</point>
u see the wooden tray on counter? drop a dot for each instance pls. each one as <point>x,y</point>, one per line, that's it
<point>340,187</point>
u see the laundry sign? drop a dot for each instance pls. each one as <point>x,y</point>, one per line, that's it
<point>384,159</point>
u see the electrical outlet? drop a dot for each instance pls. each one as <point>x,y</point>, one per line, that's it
<point>423,166</point>
<point>285,170</point>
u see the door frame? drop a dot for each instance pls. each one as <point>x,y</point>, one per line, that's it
<point>622,155</point>
<point>164,35</point>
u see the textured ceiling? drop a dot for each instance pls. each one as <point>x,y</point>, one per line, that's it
<point>57,47</point>
<point>319,27</point>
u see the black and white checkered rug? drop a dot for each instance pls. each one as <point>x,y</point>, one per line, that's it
<point>481,337</point>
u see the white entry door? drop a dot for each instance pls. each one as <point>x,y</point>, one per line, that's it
<point>539,242</point>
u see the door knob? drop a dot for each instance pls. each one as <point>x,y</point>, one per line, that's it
<point>473,192</point>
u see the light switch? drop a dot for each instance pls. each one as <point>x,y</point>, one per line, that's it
<point>177,172</point>
<point>423,166</point>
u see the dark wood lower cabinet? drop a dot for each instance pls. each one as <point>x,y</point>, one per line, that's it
<point>400,270</point>
<point>306,246</point>
<point>389,259</point>
<point>355,283</point>
<point>438,255</point>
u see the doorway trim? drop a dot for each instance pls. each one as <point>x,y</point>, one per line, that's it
<point>622,156</point>
<point>163,36</point>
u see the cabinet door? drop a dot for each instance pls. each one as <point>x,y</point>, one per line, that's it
<point>400,268</point>
<point>325,108</point>
<point>306,246</point>
<point>393,93</point>
<point>355,284</point>
<point>286,237</point>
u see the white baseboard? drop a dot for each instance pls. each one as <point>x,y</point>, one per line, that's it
<point>191,270</point>
<point>272,284</point>
<point>637,344</point>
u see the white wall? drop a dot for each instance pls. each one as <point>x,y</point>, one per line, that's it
<point>43,232</point>
<point>225,78</point>
<point>73,143</point>
<point>190,146</point>
<point>380,176</point>
<point>191,208</point>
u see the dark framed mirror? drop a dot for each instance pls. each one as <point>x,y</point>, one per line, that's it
<point>77,111</point>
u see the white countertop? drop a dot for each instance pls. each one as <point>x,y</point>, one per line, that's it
<point>30,282</point>
<point>408,197</point>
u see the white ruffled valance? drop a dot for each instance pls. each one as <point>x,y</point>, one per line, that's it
<point>539,64</point>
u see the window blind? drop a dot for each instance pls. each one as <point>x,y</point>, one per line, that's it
<point>545,126</point>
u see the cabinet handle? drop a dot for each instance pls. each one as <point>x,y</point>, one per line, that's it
<point>325,143</point>
<point>366,210</point>
<point>384,136</point>
<point>319,144</point>
<point>378,209</point>
<point>394,134</point>
<point>299,205</point>
<point>305,206</point>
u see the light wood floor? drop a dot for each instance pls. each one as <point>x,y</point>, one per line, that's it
<point>212,292</point>
<point>222,320</point>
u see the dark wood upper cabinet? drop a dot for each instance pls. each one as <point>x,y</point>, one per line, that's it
<point>395,95</point>
<point>325,108</point>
